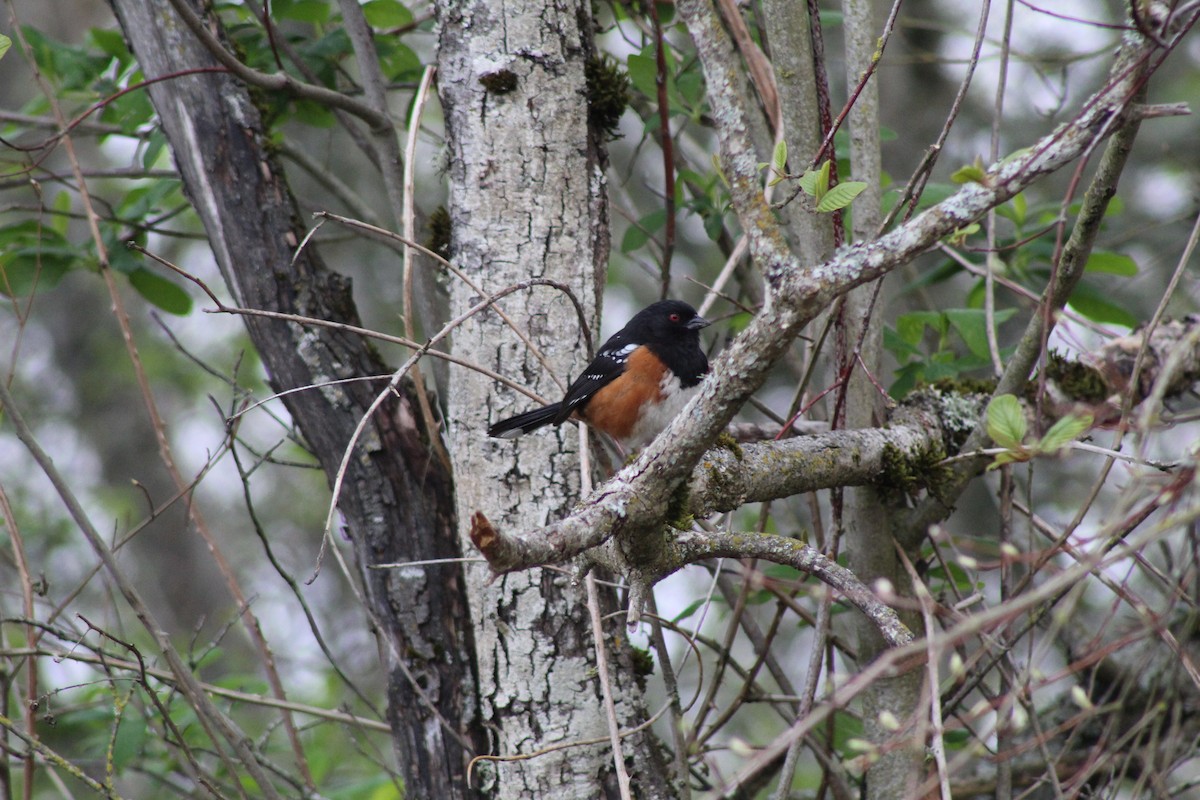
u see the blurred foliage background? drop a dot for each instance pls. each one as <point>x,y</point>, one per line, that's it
<point>66,649</point>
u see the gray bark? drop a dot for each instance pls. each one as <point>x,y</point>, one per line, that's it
<point>869,538</point>
<point>527,200</point>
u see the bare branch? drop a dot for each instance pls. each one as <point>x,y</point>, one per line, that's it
<point>636,498</point>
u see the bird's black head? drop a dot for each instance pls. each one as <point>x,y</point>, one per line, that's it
<point>667,320</point>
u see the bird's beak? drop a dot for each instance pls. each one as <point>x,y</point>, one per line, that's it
<point>697,323</point>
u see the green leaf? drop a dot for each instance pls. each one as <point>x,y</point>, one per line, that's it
<point>129,112</point>
<point>809,180</point>
<point>1011,157</point>
<point>116,245</point>
<point>1009,457</point>
<point>783,572</point>
<point>107,40</point>
<point>1063,432</point>
<point>130,740</point>
<point>714,225</point>
<point>386,14</point>
<point>840,196</point>
<point>315,12</point>
<point>642,70</point>
<point>960,235</point>
<point>831,19</point>
<point>59,221</point>
<point>156,145</point>
<point>1112,264</point>
<point>142,201</point>
<point>945,365</point>
<point>313,114</point>
<point>739,322</point>
<point>760,597</point>
<point>716,162</point>
<point>906,380</point>
<point>1019,206</point>
<point>971,325</point>
<point>953,573</point>
<point>1098,307</point>
<point>823,175</point>
<point>935,193</point>
<point>1006,421</point>
<point>691,87</point>
<point>847,726</point>
<point>19,277</point>
<point>815,182</point>
<point>168,296</point>
<point>911,326</point>
<point>1014,210</point>
<point>977,295</point>
<point>5,43</point>
<point>902,350</point>
<point>689,609</point>
<point>957,740</point>
<point>779,157</point>
<point>71,68</point>
<point>398,61</point>
<point>241,681</point>
<point>637,235</point>
<point>972,173</point>
<point>375,787</point>
<point>34,256</point>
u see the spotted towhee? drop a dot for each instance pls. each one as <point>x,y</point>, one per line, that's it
<point>636,384</point>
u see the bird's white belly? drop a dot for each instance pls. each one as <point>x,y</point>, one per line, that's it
<point>655,417</point>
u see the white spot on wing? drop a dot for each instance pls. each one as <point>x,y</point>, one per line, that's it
<point>622,355</point>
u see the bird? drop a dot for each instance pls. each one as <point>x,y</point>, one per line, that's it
<point>636,384</point>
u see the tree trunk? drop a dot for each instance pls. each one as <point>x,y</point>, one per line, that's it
<point>527,199</point>
<point>869,538</point>
<point>396,498</point>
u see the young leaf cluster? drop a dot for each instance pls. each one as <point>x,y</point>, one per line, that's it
<point>1007,426</point>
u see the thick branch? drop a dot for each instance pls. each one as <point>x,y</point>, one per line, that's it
<point>638,496</point>
<point>725,480</point>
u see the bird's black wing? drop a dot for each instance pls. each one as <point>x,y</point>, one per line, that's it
<point>605,367</point>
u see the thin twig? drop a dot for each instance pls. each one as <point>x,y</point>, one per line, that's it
<point>671,685</point>
<point>32,635</point>
<point>562,287</point>
<point>606,690</point>
<point>937,741</point>
<point>989,281</point>
<point>661,78</point>
<point>226,727</point>
<point>299,319</point>
<point>210,718</point>
<point>166,676</point>
<point>279,81</point>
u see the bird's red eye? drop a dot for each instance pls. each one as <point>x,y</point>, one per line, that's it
<point>674,318</point>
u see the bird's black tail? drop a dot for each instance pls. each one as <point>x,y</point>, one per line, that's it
<point>522,424</point>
